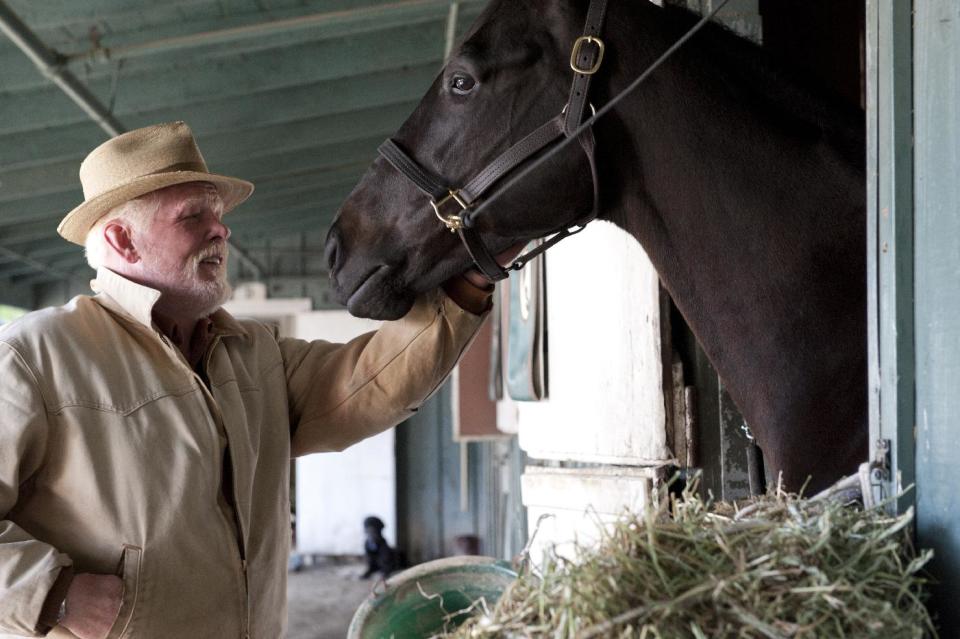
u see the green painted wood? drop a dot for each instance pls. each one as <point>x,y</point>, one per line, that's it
<point>331,155</point>
<point>419,446</point>
<point>12,295</point>
<point>299,113</point>
<point>234,79</point>
<point>709,437</point>
<point>16,74</point>
<point>735,450</point>
<point>249,162</point>
<point>937,287</point>
<point>13,236</point>
<point>71,143</point>
<point>49,14</point>
<point>52,207</point>
<point>890,221</point>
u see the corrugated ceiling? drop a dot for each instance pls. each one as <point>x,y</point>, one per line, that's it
<point>294,95</point>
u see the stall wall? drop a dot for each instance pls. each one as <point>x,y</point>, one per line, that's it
<point>936,38</point>
<point>605,415</point>
<point>605,397</point>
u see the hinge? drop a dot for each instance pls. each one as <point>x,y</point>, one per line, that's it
<point>875,475</point>
<point>882,461</point>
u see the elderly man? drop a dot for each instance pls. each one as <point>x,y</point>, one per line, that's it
<point>145,434</point>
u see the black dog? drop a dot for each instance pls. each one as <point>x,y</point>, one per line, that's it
<point>380,556</point>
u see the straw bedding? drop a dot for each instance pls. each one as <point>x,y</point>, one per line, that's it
<point>776,567</point>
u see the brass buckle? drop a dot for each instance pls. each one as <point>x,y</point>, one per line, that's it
<point>577,45</point>
<point>453,221</point>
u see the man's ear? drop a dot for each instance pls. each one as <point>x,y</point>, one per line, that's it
<point>119,238</point>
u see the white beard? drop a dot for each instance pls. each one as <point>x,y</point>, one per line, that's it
<point>183,292</point>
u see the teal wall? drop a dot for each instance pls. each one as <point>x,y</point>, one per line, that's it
<point>430,510</point>
<point>936,65</point>
<point>913,115</point>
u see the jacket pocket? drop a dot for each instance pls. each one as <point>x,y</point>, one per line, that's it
<point>129,571</point>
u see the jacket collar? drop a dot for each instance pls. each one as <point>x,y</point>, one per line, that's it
<point>136,301</point>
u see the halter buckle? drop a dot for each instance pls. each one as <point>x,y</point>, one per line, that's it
<point>577,45</point>
<point>453,221</point>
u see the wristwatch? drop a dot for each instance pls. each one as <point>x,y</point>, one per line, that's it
<point>62,611</point>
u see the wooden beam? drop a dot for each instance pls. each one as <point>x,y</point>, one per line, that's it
<point>235,80</point>
<point>32,265</point>
<point>287,27</point>
<point>890,255</point>
<point>229,116</point>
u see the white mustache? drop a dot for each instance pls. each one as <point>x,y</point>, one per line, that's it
<point>215,250</point>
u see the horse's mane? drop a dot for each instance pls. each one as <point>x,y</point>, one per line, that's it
<point>754,76</point>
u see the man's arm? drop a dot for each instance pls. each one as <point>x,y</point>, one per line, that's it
<point>342,393</point>
<point>35,578</point>
<point>29,568</point>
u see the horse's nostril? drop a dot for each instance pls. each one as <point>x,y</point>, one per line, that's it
<point>332,250</point>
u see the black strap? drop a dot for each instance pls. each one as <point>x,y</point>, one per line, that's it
<point>481,256</point>
<point>587,57</point>
<point>586,125</point>
<point>417,174</point>
<point>512,157</point>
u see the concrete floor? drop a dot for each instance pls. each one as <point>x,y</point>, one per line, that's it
<point>322,599</point>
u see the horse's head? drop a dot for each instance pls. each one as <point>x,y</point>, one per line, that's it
<point>510,76</point>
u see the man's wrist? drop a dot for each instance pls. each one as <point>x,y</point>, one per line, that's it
<point>477,278</point>
<point>468,295</point>
<point>54,606</point>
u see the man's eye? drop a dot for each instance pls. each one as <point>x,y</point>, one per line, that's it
<point>462,84</point>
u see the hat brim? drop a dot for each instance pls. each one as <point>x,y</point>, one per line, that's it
<point>77,223</point>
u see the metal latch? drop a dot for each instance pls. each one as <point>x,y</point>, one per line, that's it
<point>875,475</point>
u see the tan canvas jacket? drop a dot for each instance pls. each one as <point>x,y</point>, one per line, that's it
<point>112,452</point>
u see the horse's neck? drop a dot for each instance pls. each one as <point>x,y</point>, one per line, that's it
<point>744,217</point>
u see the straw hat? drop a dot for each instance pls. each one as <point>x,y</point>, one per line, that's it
<point>137,162</point>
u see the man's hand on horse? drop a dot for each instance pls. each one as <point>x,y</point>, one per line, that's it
<point>92,605</point>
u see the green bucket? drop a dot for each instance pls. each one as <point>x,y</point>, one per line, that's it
<point>410,607</point>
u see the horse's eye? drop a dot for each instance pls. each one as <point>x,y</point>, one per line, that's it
<point>462,84</point>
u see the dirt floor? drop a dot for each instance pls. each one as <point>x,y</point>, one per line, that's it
<point>322,599</point>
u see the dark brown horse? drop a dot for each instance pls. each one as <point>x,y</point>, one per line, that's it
<point>745,188</point>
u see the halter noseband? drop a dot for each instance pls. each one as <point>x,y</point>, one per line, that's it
<point>453,206</point>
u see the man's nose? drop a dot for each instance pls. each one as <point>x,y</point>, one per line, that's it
<point>219,230</point>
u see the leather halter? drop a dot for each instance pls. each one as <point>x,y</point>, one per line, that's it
<point>454,206</point>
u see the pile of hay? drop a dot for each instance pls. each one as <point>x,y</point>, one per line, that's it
<point>781,567</point>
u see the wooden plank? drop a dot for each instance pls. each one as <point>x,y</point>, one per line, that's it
<point>606,400</point>
<point>890,222</point>
<point>73,142</point>
<point>214,111</point>
<point>578,503</point>
<point>53,206</point>
<point>61,176</point>
<point>936,96</point>
<point>420,498</point>
<point>735,464</point>
<point>144,28</point>
<point>474,412</point>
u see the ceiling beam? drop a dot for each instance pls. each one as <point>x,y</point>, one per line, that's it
<point>380,12</point>
<point>61,176</point>
<point>34,265</point>
<point>237,79</point>
<point>52,67</point>
<point>155,22</point>
<point>53,206</point>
